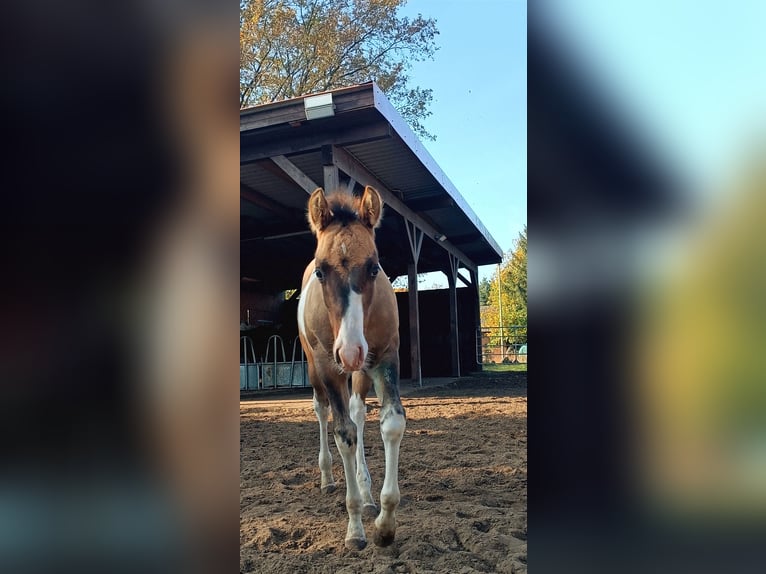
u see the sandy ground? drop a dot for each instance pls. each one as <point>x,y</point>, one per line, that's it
<point>462,476</point>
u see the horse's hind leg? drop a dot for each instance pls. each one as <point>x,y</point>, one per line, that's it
<point>360,386</point>
<point>392,425</point>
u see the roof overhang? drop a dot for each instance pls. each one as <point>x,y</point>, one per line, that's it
<point>361,141</point>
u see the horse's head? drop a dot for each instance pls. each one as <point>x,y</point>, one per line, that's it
<point>346,266</point>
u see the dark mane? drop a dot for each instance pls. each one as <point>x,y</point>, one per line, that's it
<point>344,208</point>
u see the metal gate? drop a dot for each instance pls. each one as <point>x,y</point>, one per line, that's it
<point>249,370</point>
<point>501,344</point>
<point>283,373</point>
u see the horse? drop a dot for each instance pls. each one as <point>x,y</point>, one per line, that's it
<point>348,326</point>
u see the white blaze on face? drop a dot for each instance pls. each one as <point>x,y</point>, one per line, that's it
<point>302,305</point>
<point>351,333</point>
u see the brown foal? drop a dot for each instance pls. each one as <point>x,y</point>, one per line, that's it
<point>349,327</point>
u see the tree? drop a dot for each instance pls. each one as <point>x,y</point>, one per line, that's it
<point>512,294</point>
<point>289,48</point>
<point>401,283</point>
<point>484,288</point>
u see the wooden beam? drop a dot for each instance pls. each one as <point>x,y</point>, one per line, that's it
<point>264,146</point>
<point>277,236</point>
<point>256,232</point>
<point>415,237</point>
<point>294,172</point>
<point>293,111</point>
<point>331,177</point>
<point>353,168</point>
<point>453,318</point>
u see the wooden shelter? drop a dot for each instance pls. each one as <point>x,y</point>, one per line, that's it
<point>345,139</point>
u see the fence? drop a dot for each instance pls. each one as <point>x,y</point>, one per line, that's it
<point>273,370</point>
<point>501,344</point>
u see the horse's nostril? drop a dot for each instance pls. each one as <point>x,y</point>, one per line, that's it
<point>350,357</point>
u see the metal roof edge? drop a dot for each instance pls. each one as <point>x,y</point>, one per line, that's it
<point>403,130</point>
<point>296,100</point>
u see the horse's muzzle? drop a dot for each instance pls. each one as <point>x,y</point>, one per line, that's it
<point>350,357</point>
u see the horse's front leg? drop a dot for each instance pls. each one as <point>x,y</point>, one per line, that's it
<point>392,425</point>
<point>346,441</point>
<point>322,410</point>
<point>361,384</point>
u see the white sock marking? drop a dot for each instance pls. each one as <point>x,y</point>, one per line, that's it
<point>353,497</point>
<point>325,458</point>
<point>392,430</point>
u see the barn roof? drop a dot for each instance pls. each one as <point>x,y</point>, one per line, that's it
<point>284,156</point>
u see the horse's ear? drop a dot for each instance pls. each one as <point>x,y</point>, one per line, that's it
<point>371,208</point>
<point>319,212</point>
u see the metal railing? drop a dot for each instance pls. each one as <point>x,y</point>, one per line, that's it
<point>270,372</point>
<point>501,344</point>
<point>249,369</point>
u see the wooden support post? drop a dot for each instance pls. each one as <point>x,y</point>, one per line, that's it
<point>415,236</point>
<point>454,330</point>
<point>412,293</point>
<point>331,181</point>
<point>476,304</point>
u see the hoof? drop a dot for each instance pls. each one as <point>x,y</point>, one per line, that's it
<point>328,489</point>
<point>370,510</point>
<point>356,543</point>
<point>383,539</point>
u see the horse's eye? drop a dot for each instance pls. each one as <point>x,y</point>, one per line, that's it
<point>319,274</point>
<point>374,270</point>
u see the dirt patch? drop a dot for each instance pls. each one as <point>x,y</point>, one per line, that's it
<point>462,476</point>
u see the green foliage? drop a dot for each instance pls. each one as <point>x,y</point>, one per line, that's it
<point>401,282</point>
<point>484,288</point>
<point>289,48</point>
<point>510,290</point>
<point>505,368</point>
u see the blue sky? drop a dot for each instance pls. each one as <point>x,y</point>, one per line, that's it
<point>478,77</point>
<point>688,77</point>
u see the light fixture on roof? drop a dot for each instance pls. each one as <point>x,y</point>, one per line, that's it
<point>320,106</point>
<point>441,237</point>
